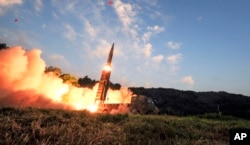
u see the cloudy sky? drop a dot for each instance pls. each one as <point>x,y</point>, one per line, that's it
<point>188,45</point>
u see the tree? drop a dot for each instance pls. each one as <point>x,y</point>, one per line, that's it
<point>115,86</point>
<point>3,46</point>
<point>86,82</point>
<point>55,70</point>
<point>67,78</point>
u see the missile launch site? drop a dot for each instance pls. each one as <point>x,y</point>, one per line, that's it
<point>124,72</point>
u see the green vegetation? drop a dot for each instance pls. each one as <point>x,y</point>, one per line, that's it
<point>47,126</point>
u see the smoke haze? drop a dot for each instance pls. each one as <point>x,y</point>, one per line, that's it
<point>24,83</point>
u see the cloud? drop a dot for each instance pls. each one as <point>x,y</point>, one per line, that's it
<point>174,59</point>
<point>70,33</point>
<point>146,36</point>
<point>156,29</point>
<point>10,2</point>
<point>188,80</point>
<point>151,31</point>
<point>174,45</point>
<point>125,12</point>
<point>147,50</point>
<point>102,49</point>
<point>21,37</point>
<point>156,15</point>
<point>6,4</point>
<point>71,6</point>
<point>55,15</point>
<point>65,7</point>
<point>58,59</point>
<point>38,5</point>
<point>124,26</point>
<point>89,29</point>
<point>157,59</point>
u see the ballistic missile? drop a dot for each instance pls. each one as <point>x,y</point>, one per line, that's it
<point>104,80</point>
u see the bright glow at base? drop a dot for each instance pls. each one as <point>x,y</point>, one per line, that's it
<point>107,68</point>
<point>78,106</point>
<point>93,108</point>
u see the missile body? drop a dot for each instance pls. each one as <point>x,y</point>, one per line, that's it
<point>104,80</point>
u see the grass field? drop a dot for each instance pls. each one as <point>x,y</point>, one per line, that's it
<point>59,127</point>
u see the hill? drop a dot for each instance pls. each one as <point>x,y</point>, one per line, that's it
<point>177,102</point>
<point>47,126</point>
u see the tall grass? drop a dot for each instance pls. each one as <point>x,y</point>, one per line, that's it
<point>57,127</point>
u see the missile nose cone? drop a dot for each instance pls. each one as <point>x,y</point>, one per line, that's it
<point>110,54</point>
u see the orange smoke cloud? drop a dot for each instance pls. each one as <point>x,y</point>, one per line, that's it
<point>24,83</point>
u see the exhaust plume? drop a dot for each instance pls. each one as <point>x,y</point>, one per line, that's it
<point>24,83</point>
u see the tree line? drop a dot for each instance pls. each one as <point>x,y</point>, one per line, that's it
<point>179,102</point>
<point>85,81</point>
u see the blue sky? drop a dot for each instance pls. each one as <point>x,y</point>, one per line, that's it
<point>188,45</point>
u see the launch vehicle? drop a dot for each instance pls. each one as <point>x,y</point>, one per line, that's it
<point>104,81</point>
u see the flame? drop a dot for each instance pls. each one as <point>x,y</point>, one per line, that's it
<point>24,83</point>
<point>93,108</point>
<point>78,106</point>
<point>107,68</point>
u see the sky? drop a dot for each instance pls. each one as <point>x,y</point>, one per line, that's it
<point>187,45</point>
